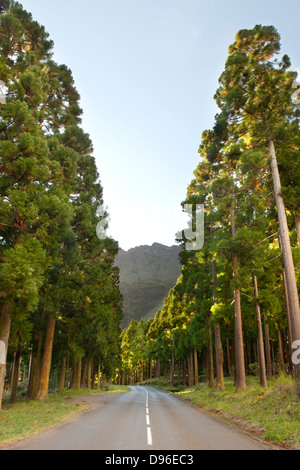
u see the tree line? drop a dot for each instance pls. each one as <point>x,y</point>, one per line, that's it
<point>235,308</point>
<point>60,302</point>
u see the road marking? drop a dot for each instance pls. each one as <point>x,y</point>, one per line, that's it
<point>149,431</point>
<point>149,436</point>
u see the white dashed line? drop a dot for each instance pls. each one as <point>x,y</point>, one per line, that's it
<point>149,431</point>
<point>149,436</point>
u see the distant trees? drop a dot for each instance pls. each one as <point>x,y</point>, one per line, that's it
<point>59,294</point>
<point>236,304</point>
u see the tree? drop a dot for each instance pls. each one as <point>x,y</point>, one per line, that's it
<point>257,96</point>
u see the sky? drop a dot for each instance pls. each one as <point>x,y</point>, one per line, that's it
<point>147,72</point>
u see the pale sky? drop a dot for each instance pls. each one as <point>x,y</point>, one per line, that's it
<point>147,71</point>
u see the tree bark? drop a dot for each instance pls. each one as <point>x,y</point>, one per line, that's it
<point>287,253</point>
<point>191,369</point>
<point>15,377</point>
<point>280,351</point>
<point>228,357</point>
<point>220,385</point>
<point>4,337</point>
<point>35,373</point>
<point>196,366</point>
<point>260,339</point>
<point>297,222</point>
<point>89,372</point>
<point>238,333</point>
<point>211,373</point>
<point>63,373</point>
<point>47,358</point>
<point>268,349</point>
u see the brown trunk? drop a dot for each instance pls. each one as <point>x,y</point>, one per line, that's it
<point>280,351</point>
<point>184,373</point>
<point>260,339</point>
<point>89,372</point>
<point>220,385</point>
<point>268,350</point>
<point>78,374</point>
<point>228,357</point>
<point>84,373</point>
<point>99,375</point>
<point>4,337</point>
<point>196,366</point>
<point>211,373</point>
<point>36,365</point>
<point>288,313</point>
<point>297,221</point>
<point>240,373</point>
<point>289,268</point>
<point>191,369</point>
<point>15,377</point>
<point>47,358</point>
<point>63,373</point>
<point>158,368</point>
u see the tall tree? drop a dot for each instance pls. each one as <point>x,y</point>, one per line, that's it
<point>256,92</point>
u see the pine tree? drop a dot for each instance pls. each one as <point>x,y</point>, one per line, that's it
<point>256,93</point>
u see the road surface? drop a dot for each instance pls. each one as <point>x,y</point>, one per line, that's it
<point>142,419</point>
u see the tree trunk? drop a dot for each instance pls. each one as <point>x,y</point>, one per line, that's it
<point>287,253</point>
<point>84,373</point>
<point>211,373</point>
<point>63,373</point>
<point>15,377</point>
<point>158,368</point>
<point>99,375</point>
<point>36,365</point>
<point>240,372</point>
<point>89,372</point>
<point>280,351</point>
<point>47,358</point>
<point>150,368</point>
<point>228,357</point>
<point>220,385</point>
<point>191,369</point>
<point>260,339</point>
<point>268,350</point>
<point>4,337</point>
<point>297,222</point>
<point>196,366</point>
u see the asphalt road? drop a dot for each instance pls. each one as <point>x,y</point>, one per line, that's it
<point>142,419</point>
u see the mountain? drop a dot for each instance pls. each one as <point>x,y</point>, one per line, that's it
<point>147,273</point>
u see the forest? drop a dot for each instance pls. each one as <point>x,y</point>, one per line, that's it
<point>59,295</point>
<point>234,310</point>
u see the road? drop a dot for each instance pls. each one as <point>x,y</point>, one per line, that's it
<point>142,419</point>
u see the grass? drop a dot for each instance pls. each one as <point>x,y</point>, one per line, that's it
<point>273,414</point>
<point>26,418</point>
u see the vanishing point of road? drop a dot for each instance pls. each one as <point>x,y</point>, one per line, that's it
<point>143,419</point>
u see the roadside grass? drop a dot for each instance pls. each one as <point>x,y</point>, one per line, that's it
<point>273,414</point>
<point>26,418</point>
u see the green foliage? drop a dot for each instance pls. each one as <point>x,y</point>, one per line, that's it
<point>51,260</point>
<point>234,183</point>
